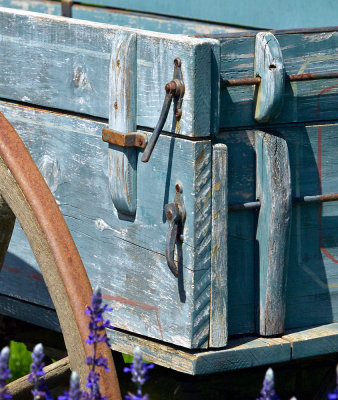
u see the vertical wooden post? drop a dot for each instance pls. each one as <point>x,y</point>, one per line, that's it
<point>273,230</point>
<point>122,118</point>
<point>219,252</point>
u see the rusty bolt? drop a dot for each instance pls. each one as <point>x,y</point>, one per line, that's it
<point>118,63</point>
<point>171,87</point>
<point>115,105</point>
<point>178,188</point>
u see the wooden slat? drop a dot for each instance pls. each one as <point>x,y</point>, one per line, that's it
<point>302,53</point>
<point>56,374</point>
<point>219,249</point>
<point>288,14</point>
<point>240,353</point>
<point>273,230</point>
<point>314,341</point>
<point>127,259</point>
<point>122,162</point>
<point>67,62</point>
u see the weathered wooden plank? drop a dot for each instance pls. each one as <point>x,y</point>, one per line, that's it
<point>31,313</point>
<point>122,162</point>
<point>114,16</point>
<point>56,374</point>
<point>240,353</point>
<point>273,230</point>
<point>302,53</point>
<point>275,15</point>
<point>146,297</point>
<point>219,249</point>
<point>67,62</point>
<point>314,341</point>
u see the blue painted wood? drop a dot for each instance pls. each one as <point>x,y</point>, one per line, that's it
<point>262,14</point>
<point>302,53</point>
<point>122,162</point>
<point>219,248</point>
<point>113,16</point>
<point>269,66</point>
<point>77,57</point>
<point>126,258</point>
<point>273,230</point>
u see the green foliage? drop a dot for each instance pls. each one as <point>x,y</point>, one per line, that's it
<point>19,361</point>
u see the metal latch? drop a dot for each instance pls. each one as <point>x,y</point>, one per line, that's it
<point>174,90</point>
<point>176,214</point>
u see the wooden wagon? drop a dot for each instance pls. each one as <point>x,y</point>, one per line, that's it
<point>214,238</point>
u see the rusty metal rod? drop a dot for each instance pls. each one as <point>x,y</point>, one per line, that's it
<point>255,205</point>
<point>290,78</point>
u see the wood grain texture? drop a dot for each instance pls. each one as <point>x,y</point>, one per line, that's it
<point>273,230</point>
<point>27,194</point>
<point>275,15</point>
<point>122,162</point>
<point>126,258</point>
<point>269,66</point>
<point>56,374</point>
<point>313,341</point>
<point>77,56</point>
<point>151,22</point>
<point>302,53</point>
<point>7,221</point>
<point>240,353</point>
<point>219,248</point>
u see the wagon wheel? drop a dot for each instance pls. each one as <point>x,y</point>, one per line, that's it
<point>26,196</point>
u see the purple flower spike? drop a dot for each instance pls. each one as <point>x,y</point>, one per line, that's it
<point>40,390</point>
<point>5,373</point>
<point>75,393</point>
<point>268,390</point>
<point>139,373</point>
<point>334,394</point>
<point>97,334</point>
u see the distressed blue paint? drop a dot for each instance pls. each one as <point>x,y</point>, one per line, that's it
<point>302,53</point>
<point>262,14</point>
<point>126,258</point>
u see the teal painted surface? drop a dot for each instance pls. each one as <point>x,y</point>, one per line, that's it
<point>219,248</point>
<point>262,14</point>
<point>122,162</point>
<point>273,189</point>
<point>269,66</point>
<point>126,258</point>
<point>46,7</point>
<point>302,53</point>
<point>150,22</point>
<point>68,60</point>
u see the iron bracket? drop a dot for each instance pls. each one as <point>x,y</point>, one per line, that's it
<point>176,215</point>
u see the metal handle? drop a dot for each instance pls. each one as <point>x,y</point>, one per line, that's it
<point>176,214</point>
<point>174,89</point>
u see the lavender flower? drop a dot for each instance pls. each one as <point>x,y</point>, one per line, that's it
<point>97,334</point>
<point>139,373</point>
<point>334,394</point>
<point>40,390</point>
<point>5,373</point>
<point>268,390</point>
<point>75,393</point>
